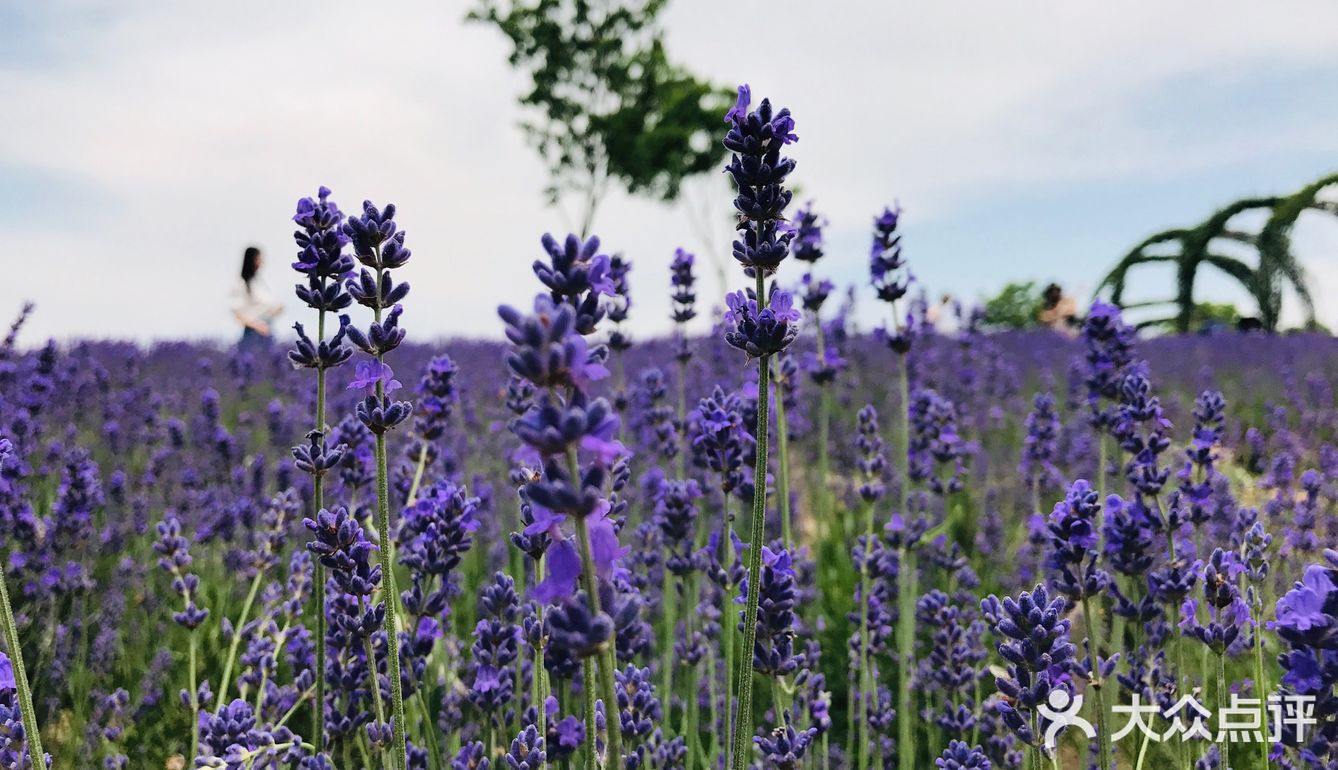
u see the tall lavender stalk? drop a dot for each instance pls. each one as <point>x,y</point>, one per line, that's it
<point>174,558</point>
<point>1074,550</point>
<point>683,309</point>
<point>321,259</point>
<point>871,464</point>
<point>891,282</point>
<point>785,378</point>
<point>379,245</point>
<point>761,326</point>
<point>32,735</point>
<point>822,365</point>
<point>550,350</point>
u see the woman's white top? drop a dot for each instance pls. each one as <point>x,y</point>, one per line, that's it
<point>256,305</point>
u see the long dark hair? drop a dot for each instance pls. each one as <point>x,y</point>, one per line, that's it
<point>250,264</point>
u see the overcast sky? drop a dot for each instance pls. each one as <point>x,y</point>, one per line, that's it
<point>145,143</point>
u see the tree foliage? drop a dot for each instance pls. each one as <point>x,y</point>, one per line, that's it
<point>1014,307</point>
<point>1190,249</point>
<point>605,105</point>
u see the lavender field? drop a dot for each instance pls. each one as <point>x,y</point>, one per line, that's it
<point>789,543</point>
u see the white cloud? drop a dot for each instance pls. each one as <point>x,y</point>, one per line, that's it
<point>199,125</point>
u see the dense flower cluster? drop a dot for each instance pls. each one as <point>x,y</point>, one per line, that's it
<point>575,550</point>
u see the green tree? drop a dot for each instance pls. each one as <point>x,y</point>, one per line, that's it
<point>1014,307</point>
<point>605,105</point>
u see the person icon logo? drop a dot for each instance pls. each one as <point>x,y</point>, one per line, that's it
<point>1061,710</point>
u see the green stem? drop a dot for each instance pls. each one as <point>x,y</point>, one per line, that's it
<point>680,457</point>
<point>669,599</point>
<point>318,576</point>
<point>713,698</point>
<point>237,636</point>
<point>866,685</point>
<point>743,731</point>
<point>194,701</point>
<point>690,726</point>
<point>903,436</point>
<point>1102,737</point>
<point>296,705</point>
<point>728,630</point>
<point>1034,753</point>
<point>824,501</point>
<point>387,554</point>
<point>433,746</point>
<point>591,730</point>
<point>380,704</point>
<point>783,469</point>
<point>1261,682</point>
<point>1186,760</point>
<point>488,735</point>
<point>417,474</point>
<point>907,580</point>
<point>398,739</point>
<point>32,734</point>
<point>538,683</point>
<point>1101,466</point>
<point>1143,752</point>
<point>614,740</point>
<point>780,699</point>
<point>1223,746</point>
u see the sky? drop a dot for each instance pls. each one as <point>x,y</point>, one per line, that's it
<point>144,144</point>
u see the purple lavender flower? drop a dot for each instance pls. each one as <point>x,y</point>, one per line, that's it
<point>813,292</point>
<point>785,748</point>
<point>565,735</point>
<point>885,258</point>
<point>527,751</point>
<point>1307,620</point>
<point>1073,544</point>
<point>437,397</point>
<point>321,256</point>
<point>774,653</point>
<point>1228,614</point>
<point>682,282</point>
<point>960,756</point>
<point>755,140</point>
<point>1141,428</point>
<point>1109,351</point>
<point>548,350</point>
<point>1199,473</point>
<point>935,441</point>
<point>761,332</point>
<point>577,275</point>
<point>1040,447</point>
<point>807,225</point>
<point>1035,644</point>
<point>496,647</point>
<point>675,515</point>
<point>718,437</point>
<point>871,462</point>
<point>952,667</point>
<point>574,634</point>
<point>174,557</point>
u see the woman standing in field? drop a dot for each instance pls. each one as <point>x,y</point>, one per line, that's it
<point>1058,311</point>
<point>253,304</point>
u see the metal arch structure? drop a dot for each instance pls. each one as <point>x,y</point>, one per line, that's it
<point>1277,267</point>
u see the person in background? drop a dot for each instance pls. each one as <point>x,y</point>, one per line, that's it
<point>253,304</point>
<point>1058,312</point>
<point>945,316</point>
